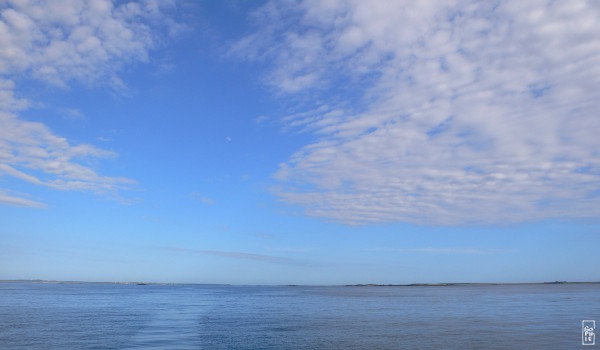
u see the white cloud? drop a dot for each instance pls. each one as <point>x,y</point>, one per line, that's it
<point>261,119</point>
<point>59,42</point>
<point>443,250</point>
<point>235,255</point>
<point>71,113</point>
<point>203,199</point>
<point>18,201</point>
<point>438,112</point>
<point>85,40</point>
<point>29,151</point>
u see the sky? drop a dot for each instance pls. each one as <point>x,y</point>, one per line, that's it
<point>300,142</point>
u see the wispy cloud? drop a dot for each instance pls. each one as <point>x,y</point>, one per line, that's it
<point>19,201</point>
<point>444,250</point>
<point>261,119</point>
<point>58,43</point>
<point>72,113</point>
<point>104,139</point>
<point>437,112</point>
<point>81,40</point>
<point>202,198</point>
<point>291,250</point>
<point>235,255</point>
<point>29,151</point>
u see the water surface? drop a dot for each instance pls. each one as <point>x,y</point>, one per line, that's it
<point>114,316</point>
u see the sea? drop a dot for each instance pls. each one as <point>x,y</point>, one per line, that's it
<point>35,315</point>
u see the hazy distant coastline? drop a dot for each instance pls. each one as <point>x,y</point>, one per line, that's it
<point>449,284</point>
<point>465,284</point>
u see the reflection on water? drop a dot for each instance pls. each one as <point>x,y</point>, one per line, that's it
<point>107,316</point>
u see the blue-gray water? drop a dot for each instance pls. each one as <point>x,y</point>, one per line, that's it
<point>111,316</point>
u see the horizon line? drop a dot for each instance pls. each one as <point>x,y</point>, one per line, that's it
<point>434,284</point>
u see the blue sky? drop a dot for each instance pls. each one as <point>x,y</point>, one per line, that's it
<point>300,142</point>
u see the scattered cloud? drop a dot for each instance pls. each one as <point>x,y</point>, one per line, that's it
<point>57,43</point>
<point>19,201</point>
<point>261,119</point>
<point>8,101</point>
<point>441,113</point>
<point>263,235</point>
<point>201,198</point>
<point>72,113</point>
<point>82,40</point>
<point>104,139</point>
<point>235,255</point>
<point>30,152</point>
<point>445,250</point>
<point>207,200</point>
<point>291,250</point>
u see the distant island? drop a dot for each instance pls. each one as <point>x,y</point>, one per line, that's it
<point>448,284</point>
<point>109,282</point>
<point>463,284</point>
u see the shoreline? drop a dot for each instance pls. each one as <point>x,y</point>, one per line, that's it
<point>445,284</point>
<point>459,284</point>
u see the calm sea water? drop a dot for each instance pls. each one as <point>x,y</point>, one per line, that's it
<point>109,316</point>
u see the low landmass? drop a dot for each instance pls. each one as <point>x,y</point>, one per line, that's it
<point>452,284</point>
<point>449,284</point>
<point>138,283</point>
